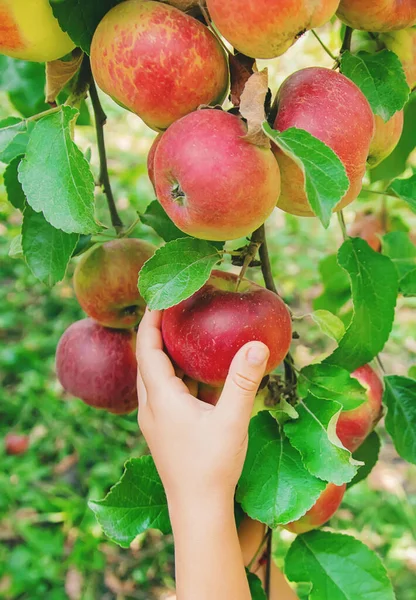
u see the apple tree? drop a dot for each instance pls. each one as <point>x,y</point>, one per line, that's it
<point>229,149</point>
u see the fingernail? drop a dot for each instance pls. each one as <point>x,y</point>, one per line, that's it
<point>257,355</point>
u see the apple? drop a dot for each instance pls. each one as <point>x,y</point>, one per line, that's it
<point>267,28</point>
<point>356,424</point>
<point>151,159</point>
<point>386,137</point>
<point>157,61</point>
<point>323,509</point>
<point>98,365</point>
<point>183,4</point>
<point>368,227</point>
<point>203,333</point>
<point>333,109</point>
<point>213,183</point>
<point>105,282</point>
<point>403,43</point>
<point>16,444</point>
<point>208,393</point>
<point>378,15</point>
<point>29,31</point>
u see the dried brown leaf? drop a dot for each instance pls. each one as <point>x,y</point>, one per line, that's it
<point>252,108</point>
<point>59,72</point>
<point>241,69</point>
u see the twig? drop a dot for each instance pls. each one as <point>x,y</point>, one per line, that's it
<point>104,178</point>
<point>45,113</point>
<point>256,241</point>
<point>380,363</point>
<point>268,564</point>
<point>346,42</point>
<point>259,549</point>
<point>368,191</point>
<point>266,268</point>
<point>341,221</point>
<point>327,50</point>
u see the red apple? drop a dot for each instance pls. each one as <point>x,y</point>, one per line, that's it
<point>378,15</point>
<point>323,509</point>
<point>15,443</point>
<point>29,31</point>
<point>213,183</point>
<point>333,109</point>
<point>183,4</point>
<point>208,393</point>
<point>386,138</point>
<point>203,333</point>
<point>368,227</point>
<point>157,61</point>
<point>356,424</point>
<point>98,365</point>
<point>151,159</point>
<point>105,282</point>
<point>267,28</point>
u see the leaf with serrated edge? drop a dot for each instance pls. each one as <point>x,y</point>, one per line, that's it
<point>14,136</point>
<point>56,178</point>
<point>398,246</point>
<point>329,324</point>
<point>274,487</point>
<point>400,399</point>
<point>176,271</point>
<point>47,250</point>
<point>313,434</point>
<point>380,77</point>
<point>405,189</point>
<point>367,453</point>
<point>326,181</point>
<point>338,566</point>
<point>332,383</point>
<point>15,193</point>
<point>156,218</point>
<point>134,504</point>
<point>374,288</point>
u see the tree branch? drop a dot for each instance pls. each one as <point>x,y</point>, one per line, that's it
<point>104,179</point>
<point>346,42</point>
<point>268,564</point>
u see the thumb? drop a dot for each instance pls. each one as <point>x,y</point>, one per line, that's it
<point>244,377</point>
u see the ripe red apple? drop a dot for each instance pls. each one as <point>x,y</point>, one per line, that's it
<point>323,509</point>
<point>203,333</point>
<point>267,28</point>
<point>157,61</point>
<point>368,227</point>
<point>105,282</point>
<point>151,159</point>
<point>98,365</point>
<point>355,425</point>
<point>378,15</point>
<point>15,443</point>
<point>29,31</point>
<point>403,43</point>
<point>213,183</point>
<point>333,109</point>
<point>386,138</point>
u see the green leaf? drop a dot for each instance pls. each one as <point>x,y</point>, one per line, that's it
<point>412,372</point>
<point>14,137</point>
<point>47,250</point>
<point>338,566</point>
<point>331,382</point>
<point>275,487</point>
<point>176,271</point>
<point>313,434</point>
<point>398,246</point>
<point>326,180</point>
<point>15,194</point>
<point>80,19</point>
<point>374,288</point>
<point>406,190</point>
<point>400,399</point>
<point>16,250</point>
<point>156,218</point>
<point>256,588</point>
<point>336,285</point>
<point>380,77</point>
<point>329,324</point>
<point>368,454</point>
<point>55,176</point>
<point>134,504</point>
<point>395,164</point>
<point>25,83</point>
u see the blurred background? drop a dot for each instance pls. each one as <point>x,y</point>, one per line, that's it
<point>50,544</point>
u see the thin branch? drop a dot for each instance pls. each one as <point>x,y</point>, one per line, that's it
<point>268,565</point>
<point>346,42</point>
<point>104,178</point>
<point>250,252</point>
<point>341,221</point>
<point>368,191</point>
<point>327,50</point>
<point>259,549</point>
<point>266,268</point>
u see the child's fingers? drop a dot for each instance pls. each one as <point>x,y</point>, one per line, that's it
<point>244,377</point>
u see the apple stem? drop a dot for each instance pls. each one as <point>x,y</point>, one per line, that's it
<point>346,42</point>
<point>104,179</point>
<point>268,563</point>
<point>341,222</point>
<point>327,50</point>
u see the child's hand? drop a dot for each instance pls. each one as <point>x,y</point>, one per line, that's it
<point>199,449</point>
